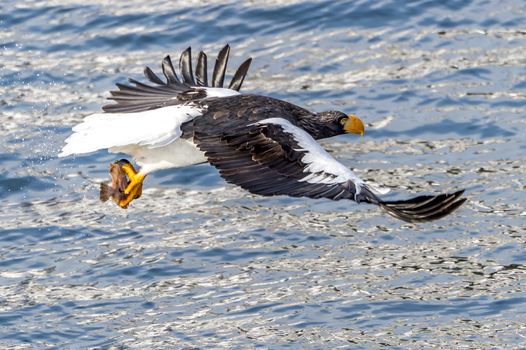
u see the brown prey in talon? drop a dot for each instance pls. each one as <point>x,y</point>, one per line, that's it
<point>126,184</point>
<point>119,182</point>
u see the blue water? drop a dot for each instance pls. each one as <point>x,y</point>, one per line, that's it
<point>198,263</point>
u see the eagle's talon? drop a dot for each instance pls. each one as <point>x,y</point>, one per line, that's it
<point>133,190</point>
<point>135,185</point>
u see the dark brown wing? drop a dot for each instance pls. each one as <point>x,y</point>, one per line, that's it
<point>269,158</point>
<point>424,208</point>
<point>138,97</point>
<point>265,159</point>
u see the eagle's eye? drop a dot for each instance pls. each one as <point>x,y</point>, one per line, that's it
<point>343,120</point>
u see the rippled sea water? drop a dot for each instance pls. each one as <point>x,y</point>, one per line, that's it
<point>198,263</point>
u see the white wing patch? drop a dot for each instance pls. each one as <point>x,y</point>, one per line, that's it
<point>321,166</point>
<point>219,92</point>
<point>153,128</point>
<point>377,189</point>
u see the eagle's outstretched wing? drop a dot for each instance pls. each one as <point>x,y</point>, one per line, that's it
<point>274,157</point>
<point>176,90</point>
<point>152,115</point>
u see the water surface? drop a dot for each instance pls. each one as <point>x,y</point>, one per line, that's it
<point>197,263</point>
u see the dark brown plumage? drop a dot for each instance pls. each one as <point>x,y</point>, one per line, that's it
<point>265,159</point>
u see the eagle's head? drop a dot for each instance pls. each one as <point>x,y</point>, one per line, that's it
<point>333,123</point>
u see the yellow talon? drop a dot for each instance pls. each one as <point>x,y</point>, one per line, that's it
<point>134,188</point>
<point>134,177</point>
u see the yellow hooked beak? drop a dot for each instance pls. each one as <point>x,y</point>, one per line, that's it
<point>354,125</point>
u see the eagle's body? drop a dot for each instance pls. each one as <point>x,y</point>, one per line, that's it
<point>265,145</point>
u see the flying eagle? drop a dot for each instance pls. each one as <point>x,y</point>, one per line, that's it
<point>265,145</point>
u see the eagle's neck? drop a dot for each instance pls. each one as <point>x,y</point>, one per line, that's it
<point>318,128</point>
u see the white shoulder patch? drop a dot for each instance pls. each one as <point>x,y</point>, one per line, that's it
<point>321,166</point>
<point>153,128</point>
<point>219,92</point>
<point>377,189</point>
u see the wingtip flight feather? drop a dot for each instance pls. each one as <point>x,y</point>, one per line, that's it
<point>201,70</point>
<point>169,71</point>
<point>240,75</point>
<point>151,76</point>
<point>218,76</point>
<point>185,66</point>
<point>424,208</point>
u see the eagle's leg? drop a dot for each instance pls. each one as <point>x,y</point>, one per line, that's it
<point>134,188</point>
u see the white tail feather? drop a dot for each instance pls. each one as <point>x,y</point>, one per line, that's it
<point>154,128</point>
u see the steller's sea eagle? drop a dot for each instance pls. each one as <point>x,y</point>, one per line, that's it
<point>265,145</point>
